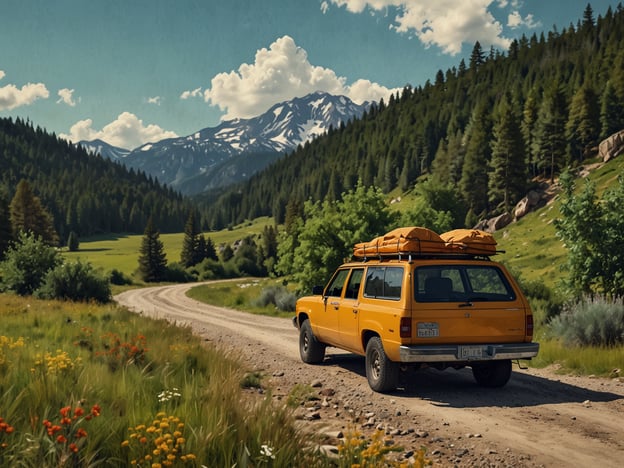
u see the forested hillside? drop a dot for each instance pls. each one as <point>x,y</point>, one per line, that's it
<point>486,128</point>
<point>84,193</point>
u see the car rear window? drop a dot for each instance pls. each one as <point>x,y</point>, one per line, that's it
<point>461,283</point>
<point>384,283</point>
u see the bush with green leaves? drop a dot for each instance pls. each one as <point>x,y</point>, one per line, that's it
<point>26,263</point>
<point>75,281</point>
<point>310,250</point>
<point>593,232</point>
<point>119,278</point>
<point>176,273</point>
<point>591,322</point>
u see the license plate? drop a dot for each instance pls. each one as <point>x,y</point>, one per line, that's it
<point>470,352</point>
<point>428,330</point>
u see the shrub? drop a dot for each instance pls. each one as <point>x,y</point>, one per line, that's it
<point>119,278</point>
<point>26,264</point>
<point>209,269</point>
<point>591,322</point>
<point>176,273</point>
<point>75,281</point>
<point>279,296</point>
<point>543,298</point>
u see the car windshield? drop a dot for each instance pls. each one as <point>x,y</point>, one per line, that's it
<point>461,283</point>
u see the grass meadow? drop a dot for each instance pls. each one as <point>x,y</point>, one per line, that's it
<point>88,385</point>
<point>121,252</point>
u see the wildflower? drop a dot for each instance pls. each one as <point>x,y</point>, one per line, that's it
<point>267,451</point>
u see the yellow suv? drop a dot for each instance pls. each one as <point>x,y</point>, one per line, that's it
<point>413,297</point>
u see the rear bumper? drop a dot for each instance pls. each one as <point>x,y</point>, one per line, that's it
<point>478,352</point>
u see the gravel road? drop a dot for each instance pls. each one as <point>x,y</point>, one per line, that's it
<point>539,419</point>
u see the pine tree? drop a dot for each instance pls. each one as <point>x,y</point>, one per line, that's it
<point>474,180</point>
<point>508,177</point>
<point>73,243</point>
<point>611,112</point>
<point>28,215</point>
<point>189,254</point>
<point>549,141</point>
<point>152,257</point>
<point>529,120</point>
<point>6,232</point>
<point>583,126</point>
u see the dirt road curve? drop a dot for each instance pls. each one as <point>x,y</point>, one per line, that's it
<point>539,419</point>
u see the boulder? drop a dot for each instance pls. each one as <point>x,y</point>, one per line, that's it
<point>525,205</point>
<point>494,224</point>
<point>612,146</point>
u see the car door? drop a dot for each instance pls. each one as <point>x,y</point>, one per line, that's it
<point>326,323</point>
<point>348,312</point>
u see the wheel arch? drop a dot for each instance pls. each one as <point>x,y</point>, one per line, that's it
<point>366,336</point>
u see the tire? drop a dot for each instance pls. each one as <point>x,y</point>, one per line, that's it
<point>492,374</point>
<point>382,374</point>
<point>311,350</point>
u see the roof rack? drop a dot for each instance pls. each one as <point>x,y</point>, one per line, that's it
<point>409,256</point>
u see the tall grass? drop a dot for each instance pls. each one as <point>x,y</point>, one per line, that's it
<point>152,384</point>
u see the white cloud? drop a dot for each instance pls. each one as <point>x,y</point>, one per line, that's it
<point>128,132</point>
<point>191,94</point>
<point>280,73</point>
<point>12,97</point>
<point>154,100</point>
<point>515,20</point>
<point>447,24</point>
<point>66,96</point>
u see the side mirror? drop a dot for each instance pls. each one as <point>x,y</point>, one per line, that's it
<point>317,290</point>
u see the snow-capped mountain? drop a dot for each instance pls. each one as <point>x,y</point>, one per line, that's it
<point>104,149</point>
<point>235,149</point>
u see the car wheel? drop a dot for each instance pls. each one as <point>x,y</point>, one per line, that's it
<point>311,350</point>
<point>382,374</point>
<point>493,373</point>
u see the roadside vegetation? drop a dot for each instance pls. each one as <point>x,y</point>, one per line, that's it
<point>85,384</point>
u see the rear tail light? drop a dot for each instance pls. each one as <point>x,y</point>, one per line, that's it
<point>529,325</point>
<point>406,327</point>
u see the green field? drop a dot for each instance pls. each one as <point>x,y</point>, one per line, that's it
<point>121,252</point>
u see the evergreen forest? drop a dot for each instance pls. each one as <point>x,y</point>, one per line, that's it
<point>488,129</point>
<point>82,192</point>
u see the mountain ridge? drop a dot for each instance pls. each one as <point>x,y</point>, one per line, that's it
<point>235,149</point>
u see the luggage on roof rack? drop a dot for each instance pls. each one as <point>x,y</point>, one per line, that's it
<point>422,241</point>
<point>405,240</point>
<point>470,241</point>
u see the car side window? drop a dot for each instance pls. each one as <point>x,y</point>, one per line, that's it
<point>384,282</point>
<point>355,280</point>
<point>335,286</point>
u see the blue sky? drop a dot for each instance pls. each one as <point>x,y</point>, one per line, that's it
<point>133,71</point>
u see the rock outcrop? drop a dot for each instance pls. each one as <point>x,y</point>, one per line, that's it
<point>612,146</point>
